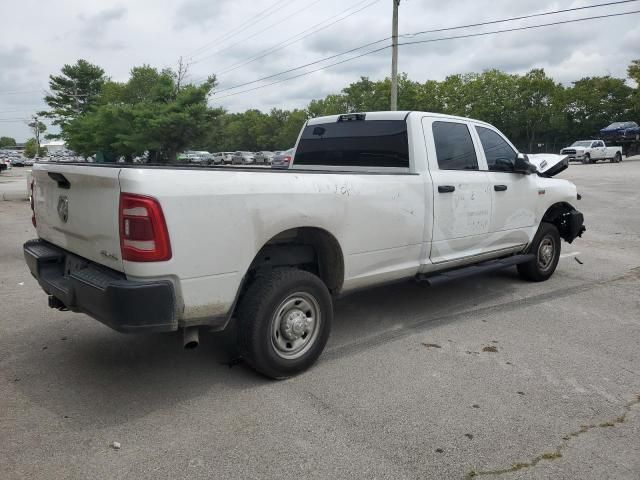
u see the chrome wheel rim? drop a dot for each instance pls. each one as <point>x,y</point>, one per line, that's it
<point>295,325</point>
<point>546,251</point>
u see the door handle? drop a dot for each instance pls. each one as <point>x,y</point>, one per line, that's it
<point>446,188</point>
<point>499,188</point>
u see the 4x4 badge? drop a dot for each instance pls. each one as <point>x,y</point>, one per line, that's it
<point>63,208</point>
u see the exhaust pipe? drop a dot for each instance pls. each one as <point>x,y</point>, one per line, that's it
<point>190,338</point>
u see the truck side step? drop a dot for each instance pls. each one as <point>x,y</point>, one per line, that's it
<point>439,278</point>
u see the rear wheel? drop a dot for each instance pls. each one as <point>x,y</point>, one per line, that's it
<point>617,158</point>
<point>284,320</point>
<point>546,248</point>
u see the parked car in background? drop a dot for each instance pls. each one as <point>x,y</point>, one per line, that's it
<point>264,157</point>
<point>590,151</point>
<point>216,159</point>
<point>18,161</point>
<point>195,156</point>
<point>243,158</point>
<point>282,159</point>
<point>227,158</point>
<point>621,131</point>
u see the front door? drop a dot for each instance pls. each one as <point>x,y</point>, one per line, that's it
<point>461,195</point>
<point>514,195</point>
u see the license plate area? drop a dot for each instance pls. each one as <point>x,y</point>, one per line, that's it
<point>73,263</point>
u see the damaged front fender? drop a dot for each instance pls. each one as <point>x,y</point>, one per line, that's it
<point>571,225</point>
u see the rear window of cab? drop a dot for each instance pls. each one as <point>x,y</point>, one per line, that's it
<point>360,143</point>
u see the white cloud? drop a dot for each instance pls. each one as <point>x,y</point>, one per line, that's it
<point>44,35</point>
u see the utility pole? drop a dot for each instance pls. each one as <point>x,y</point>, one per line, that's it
<point>394,56</point>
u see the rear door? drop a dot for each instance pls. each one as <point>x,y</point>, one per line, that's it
<point>461,195</point>
<point>76,208</point>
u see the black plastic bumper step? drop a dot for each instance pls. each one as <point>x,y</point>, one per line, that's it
<point>439,278</point>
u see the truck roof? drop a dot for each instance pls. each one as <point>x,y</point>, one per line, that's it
<point>388,115</point>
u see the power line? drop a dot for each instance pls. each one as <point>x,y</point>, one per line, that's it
<point>306,65</point>
<point>429,41</point>
<point>19,92</point>
<point>523,17</point>
<point>217,52</point>
<point>228,34</point>
<point>312,30</point>
<point>517,29</point>
<point>331,57</point>
<point>25,110</point>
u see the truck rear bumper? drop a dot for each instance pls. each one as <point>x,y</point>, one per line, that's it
<point>80,285</point>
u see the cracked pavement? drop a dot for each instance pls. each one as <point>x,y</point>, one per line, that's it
<point>416,382</point>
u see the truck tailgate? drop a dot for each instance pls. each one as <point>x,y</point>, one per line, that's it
<point>76,208</point>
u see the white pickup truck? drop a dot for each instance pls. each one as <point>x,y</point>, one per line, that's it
<point>590,151</point>
<point>370,198</point>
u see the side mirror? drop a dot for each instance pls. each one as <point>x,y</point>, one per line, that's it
<point>523,165</point>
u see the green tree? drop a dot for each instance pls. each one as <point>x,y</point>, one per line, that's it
<point>31,149</point>
<point>7,142</point>
<point>37,127</point>
<point>72,93</point>
<point>148,113</point>
<point>330,105</point>
<point>534,104</point>
<point>634,74</point>
<point>633,71</point>
<point>594,102</point>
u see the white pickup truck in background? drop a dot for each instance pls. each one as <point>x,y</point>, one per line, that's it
<point>369,198</point>
<point>590,151</point>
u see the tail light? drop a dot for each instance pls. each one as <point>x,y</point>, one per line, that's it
<point>32,204</point>
<point>143,230</point>
<point>287,159</point>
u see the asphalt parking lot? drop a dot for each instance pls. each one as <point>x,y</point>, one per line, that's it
<point>490,377</point>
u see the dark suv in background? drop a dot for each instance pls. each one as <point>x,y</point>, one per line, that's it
<point>621,131</point>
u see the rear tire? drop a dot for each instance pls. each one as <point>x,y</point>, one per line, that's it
<point>284,321</point>
<point>546,248</point>
<point>617,158</point>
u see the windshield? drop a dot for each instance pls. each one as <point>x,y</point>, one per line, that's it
<point>623,125</point>
<point>582,143</point>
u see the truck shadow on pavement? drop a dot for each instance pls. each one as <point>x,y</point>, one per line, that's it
<point>87,373</point>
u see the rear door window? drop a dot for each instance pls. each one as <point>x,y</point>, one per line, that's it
<point>355,143</point>
<point>454,147</point>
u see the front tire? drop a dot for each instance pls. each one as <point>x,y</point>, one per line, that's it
<point>586,159</point>
<point>546,248</point>
<point>284,321</point>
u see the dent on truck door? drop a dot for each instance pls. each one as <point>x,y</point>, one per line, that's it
<point>461,198</point>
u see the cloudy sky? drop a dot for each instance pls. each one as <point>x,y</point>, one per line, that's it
<point>220,36</point>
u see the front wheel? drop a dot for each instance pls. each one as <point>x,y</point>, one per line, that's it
<point>586,158</point>
<point>284,320</point>
<point>546,248</point>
